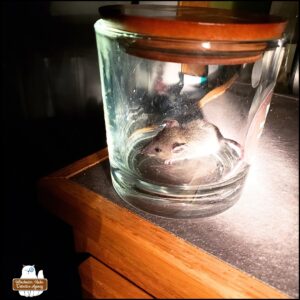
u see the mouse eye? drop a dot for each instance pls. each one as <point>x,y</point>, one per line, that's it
<point>157,149</point>
<point>175,145</point>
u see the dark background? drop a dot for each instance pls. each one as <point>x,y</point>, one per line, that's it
<point>51,114</point>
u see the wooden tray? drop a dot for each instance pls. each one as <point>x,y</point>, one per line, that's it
<point>249,251</point>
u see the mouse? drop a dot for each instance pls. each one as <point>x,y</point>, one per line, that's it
<point>193,139</point>
<point>178,142</point>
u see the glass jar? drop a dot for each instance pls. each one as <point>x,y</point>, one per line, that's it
<point>186,92</point>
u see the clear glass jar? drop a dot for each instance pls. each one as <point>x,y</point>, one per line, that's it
<point>183,110</point>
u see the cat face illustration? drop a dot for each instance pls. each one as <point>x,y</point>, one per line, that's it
<point>28,271</point>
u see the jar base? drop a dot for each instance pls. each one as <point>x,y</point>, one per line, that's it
<point>178,202</point>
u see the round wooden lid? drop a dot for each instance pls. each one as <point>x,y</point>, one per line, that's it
<point>190,34</point>
<point>192,23</point>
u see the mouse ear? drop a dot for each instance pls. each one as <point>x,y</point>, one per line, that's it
<point>171,123</point>
<point>178,147</point>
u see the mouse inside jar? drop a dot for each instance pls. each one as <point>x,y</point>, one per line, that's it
<point>177,142</point>
<point>189,153</point>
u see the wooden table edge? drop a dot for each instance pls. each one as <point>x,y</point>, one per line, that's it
<point>262,289</point>
<point>97,279</point>
<point>80,165</point>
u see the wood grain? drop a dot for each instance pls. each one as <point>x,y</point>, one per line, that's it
<point>81,165</point>
<point>192,23</point>
<point>100,282</point>
<point>194,3</point>
<point>181,57</point>
<point>160,263</point>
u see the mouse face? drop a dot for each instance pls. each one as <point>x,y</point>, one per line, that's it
<point>180,142</point>
<point>167,142</point>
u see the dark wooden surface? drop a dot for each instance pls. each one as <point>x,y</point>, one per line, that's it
<point>158,262</point>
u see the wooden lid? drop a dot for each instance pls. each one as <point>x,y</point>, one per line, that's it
<point>195,23</point>
<point>191,34</point>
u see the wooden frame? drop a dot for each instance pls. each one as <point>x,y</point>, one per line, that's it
<point>161,264</point>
